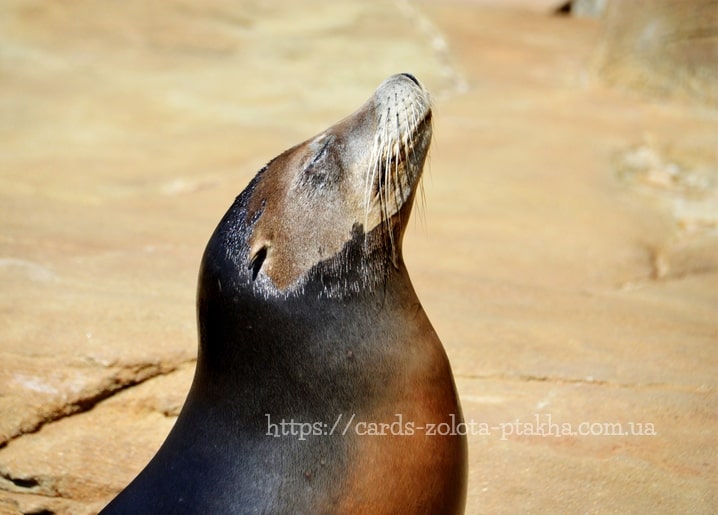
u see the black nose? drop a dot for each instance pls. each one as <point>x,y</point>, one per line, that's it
<point>412,78</point>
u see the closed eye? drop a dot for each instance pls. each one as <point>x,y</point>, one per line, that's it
<point>320,155</point>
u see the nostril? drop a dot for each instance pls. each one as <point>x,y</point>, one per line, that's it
<point>412,78</point>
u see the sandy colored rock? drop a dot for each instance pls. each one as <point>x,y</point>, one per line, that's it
<point>566,252</point>
<point>124,431</point>
<point>662,47</point>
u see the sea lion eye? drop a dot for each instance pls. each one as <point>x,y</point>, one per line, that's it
<point>319,156</point>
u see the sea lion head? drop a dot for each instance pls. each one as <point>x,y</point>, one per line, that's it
<point>334,207</point>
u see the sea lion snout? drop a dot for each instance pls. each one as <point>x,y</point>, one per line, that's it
<point>412,78</point>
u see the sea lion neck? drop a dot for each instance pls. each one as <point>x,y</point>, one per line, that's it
<point>243,320</point>
<point>248,340</point>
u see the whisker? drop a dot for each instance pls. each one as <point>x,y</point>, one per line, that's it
<point>370,176</point>
<point>394,169</point>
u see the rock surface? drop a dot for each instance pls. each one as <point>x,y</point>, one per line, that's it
<point>567,250</point>
<point>662,47</point>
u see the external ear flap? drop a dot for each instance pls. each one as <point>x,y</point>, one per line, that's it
<point>257,260</point>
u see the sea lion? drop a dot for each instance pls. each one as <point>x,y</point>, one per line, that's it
<point>321,386</point>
